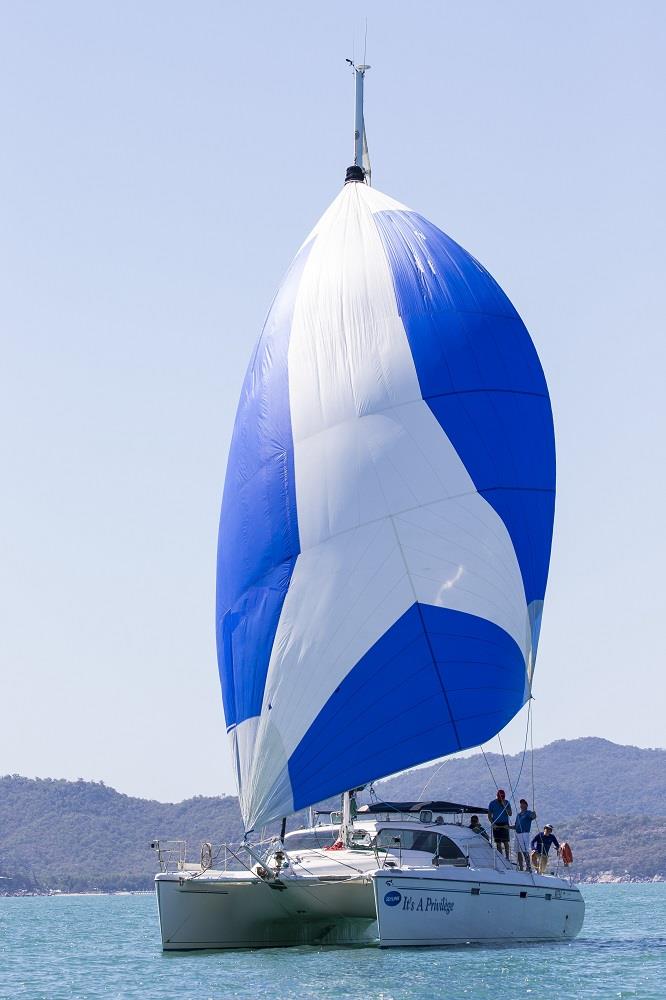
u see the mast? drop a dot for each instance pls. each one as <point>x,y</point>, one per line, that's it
<point>360,171</point>
<point>346,818</point>
<point>359,124</point>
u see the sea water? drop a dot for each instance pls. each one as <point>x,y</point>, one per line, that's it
<point>62,947</point>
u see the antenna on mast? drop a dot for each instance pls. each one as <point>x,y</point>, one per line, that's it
<point>360,171</point>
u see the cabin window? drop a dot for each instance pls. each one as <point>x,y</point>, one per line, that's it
<point>419,840</point>
<point>448,850</point>
<point>408,840</point>
<point>311,840</point>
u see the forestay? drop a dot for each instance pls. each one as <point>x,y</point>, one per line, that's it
<point>387,513</point>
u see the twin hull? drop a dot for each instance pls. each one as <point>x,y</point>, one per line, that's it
<point>251,913</point>
<point>392,909</point>
<point>422,910</point>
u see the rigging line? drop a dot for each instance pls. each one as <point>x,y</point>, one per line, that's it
<point>508,776</point>
<point>296,859</point>
<point>506,768</point>
<point>522,762</point>
<point>532,757</point>
<point>337,861</point>
<point>488,765</point>
<point>433,775</point>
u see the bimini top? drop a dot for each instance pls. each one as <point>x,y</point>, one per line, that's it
<point>387,513</point>
<point>417,807</point>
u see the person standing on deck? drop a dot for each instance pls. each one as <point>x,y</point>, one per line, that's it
<point>541,844</point>
<point>499,811</point>
<point>522,826</point>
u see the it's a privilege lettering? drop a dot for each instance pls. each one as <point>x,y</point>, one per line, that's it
<point>441,905</point>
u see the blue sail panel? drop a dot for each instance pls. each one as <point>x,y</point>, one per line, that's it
<point>258,538</point>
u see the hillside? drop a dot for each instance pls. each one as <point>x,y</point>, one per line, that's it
<point>75,835</point>
<point>571,778</point>
<point>80,835</point>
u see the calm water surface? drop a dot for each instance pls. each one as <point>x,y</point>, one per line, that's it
<point>64,947</point>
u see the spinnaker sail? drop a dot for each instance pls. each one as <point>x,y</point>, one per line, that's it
<point>387,513</point>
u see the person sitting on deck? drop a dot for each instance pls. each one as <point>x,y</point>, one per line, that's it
<point>541,844</point>
<point>475,825</point>
<point>499,811</point>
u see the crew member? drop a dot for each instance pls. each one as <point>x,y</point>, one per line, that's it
<point>522,826</point>
<point>541,844</point>
<point>499,811</point>
<point>475,825</point>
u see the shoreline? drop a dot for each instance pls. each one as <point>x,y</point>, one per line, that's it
<point>602,878</point>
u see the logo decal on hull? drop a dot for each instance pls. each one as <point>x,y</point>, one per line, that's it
<point>392,898</point>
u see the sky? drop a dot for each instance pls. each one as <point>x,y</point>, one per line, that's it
<point>161,164</point>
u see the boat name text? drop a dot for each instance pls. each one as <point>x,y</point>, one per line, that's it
<point>427,904</point>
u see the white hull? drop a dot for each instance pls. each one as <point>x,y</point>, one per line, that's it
<point>237,912</point>
<point>436,907</point>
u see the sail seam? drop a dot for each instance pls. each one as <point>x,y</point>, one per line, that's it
<point>375,411</point>
<point>425,631</point>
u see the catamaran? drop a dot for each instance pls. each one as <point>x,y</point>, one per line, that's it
<point>383,553</point>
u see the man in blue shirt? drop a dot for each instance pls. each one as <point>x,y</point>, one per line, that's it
<point>522,826</point>
<point>541,844</point>
<point>499,811</point>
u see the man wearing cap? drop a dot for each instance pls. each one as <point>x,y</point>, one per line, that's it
<point>522,826</point>
<point>541,844</point>
<point>499,811</point>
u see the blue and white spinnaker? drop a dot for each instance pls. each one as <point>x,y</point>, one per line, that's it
<point>387,514</point>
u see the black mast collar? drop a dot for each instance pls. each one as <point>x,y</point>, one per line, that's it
<point>354,173</point>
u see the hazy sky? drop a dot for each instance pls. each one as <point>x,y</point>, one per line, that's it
<point>161,163</point>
